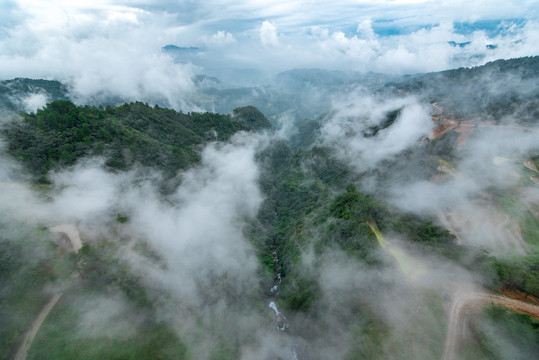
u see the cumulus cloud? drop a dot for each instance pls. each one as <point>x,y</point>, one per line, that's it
<point>355,51</point>
<point>220,38</point>
<point>425,49</point>
<point>365,31</point>
<point>421,51</point>
<point>107,50</point>
<point>268,34</point>
<point>102,51</point>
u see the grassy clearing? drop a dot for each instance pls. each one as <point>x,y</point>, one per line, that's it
<point>27,256</point>
<point>529,225</point>
<point>66,335</point>
<point>420,336</point>
<point>500,333</point>
<point>509,202</point>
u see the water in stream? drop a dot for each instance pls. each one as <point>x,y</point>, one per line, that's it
<point>280,320</point>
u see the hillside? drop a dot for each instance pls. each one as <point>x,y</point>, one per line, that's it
<point>26,94</point>
<point>384,228</point>
<point>61,134</point>
<point>498,89</point>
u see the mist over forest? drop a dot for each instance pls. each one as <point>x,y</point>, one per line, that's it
<point>269,181</point>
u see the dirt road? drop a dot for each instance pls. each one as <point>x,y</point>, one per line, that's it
<point>31,333</point>
<point>530,165</point>
<point>72,233</point>
<point>469,298</point>
<point>74,237</point>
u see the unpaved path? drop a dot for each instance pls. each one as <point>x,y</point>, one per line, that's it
<point>437,107</point>
<point>74,237</point>
<point>531,165</point>
<point>466,299</point>
<point>72,233</point>
<point>31,333</point>
<point>465,128</point>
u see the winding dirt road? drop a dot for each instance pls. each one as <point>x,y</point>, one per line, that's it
<point>71,231</point>
<point>29,336</point>
<point>474,298</point>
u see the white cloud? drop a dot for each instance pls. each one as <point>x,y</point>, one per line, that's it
<point>103,51</point>
<point>268,34</point>
<point>348,131</point>
<point>33,102</point>
<point>111,49</point>
<point>318,32</point>
<point>220,38</point>
<point>365,31</point>
<point>349,52</point>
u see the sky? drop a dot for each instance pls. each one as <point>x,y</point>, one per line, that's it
<point>105,47</point>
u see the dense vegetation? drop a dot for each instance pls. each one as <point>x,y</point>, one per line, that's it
<point>13,91</point>
<point>29,262</point>
<point>313,204</point>
<point>135,133</point>
<point>494,90</point>
<point>513,331</point>
<point>33,267</point>
<point>131,333</point>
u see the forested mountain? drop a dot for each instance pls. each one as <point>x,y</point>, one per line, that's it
<point>62,133</point>
<point>19,94</point>
<point>495,90</point>
<point>361,233</point>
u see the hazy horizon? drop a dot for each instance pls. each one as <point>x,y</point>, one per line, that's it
<point>116,47</point>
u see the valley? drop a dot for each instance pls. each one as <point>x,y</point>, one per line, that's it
<point>387,226</point>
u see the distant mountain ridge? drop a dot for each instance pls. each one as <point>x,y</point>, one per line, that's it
<point>15,90</point>
<point>305,92</point>
<point>493,90</point>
